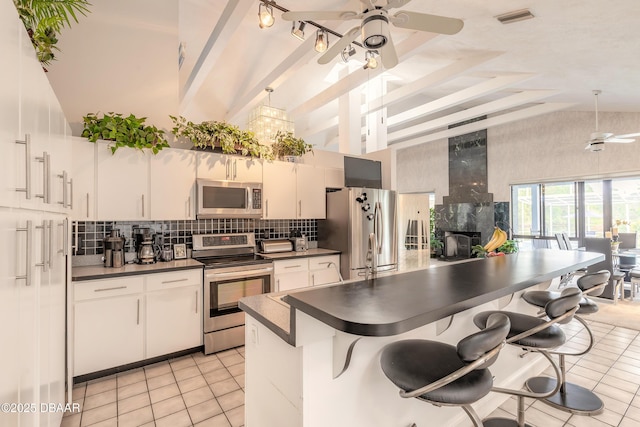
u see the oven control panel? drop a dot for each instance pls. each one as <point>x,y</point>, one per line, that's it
<point>223,241</point>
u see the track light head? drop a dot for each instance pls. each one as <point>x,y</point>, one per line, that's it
<point>370,60</point>
<point>265,15</point>
<point>348,52</point>
<point>322,41</point>
<point>298,32</point>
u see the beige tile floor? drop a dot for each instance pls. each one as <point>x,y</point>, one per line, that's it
<point>199,390</point>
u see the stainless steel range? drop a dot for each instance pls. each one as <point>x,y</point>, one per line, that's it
<point>232,271</point>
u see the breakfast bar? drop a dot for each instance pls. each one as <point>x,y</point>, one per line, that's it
<point>312,357</point>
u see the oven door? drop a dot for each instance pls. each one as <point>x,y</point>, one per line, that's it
<point>223,288</point>
<point>228,199</point>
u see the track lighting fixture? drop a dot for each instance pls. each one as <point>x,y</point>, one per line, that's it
<point>348,52</point>
<point>299,32</point>
<point>322,40</point>
<point>370,60</point>
<point>265,15</point>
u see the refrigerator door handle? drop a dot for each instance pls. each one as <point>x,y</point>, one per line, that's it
<point>377,226</point>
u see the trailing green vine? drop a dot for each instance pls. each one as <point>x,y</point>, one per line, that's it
<point>124,132</point>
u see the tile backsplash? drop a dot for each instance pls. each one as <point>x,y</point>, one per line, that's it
<point>87,236</point>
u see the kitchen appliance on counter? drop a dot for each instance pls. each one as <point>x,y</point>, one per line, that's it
<point>143,241</point>
<point>299,241</point>
<point>114,250</point>
<point>361,224</point>
<point>228,199</point>
<point>232,270</point>
<point>276,245</point>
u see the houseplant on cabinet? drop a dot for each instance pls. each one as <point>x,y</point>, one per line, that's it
<point>44,19</point>
<point>213,134</point>
<point>124,132</point>
<point>288,147</point>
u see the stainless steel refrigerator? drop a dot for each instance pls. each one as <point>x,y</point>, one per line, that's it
<point>361,223</point>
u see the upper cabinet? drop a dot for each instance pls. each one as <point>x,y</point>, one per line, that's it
<point>122,184</point>
<point>83,171</point>
<point>172,184</point>
<point>334,178</point>
<point>226,167</point>
<point>293,191</point>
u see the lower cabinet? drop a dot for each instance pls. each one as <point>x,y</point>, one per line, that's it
<point>133,318</point>
<point>303,272</point>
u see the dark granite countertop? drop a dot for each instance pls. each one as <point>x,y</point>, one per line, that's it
<point>401,302</point>
<point>93,272</point>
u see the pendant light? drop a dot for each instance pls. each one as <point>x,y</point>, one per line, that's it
<point>322,40</point>
<point>265,15</point>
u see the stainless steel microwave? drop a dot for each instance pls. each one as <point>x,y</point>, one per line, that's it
<point>228,199</point>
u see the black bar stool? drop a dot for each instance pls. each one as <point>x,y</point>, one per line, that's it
<point>571,397</point>
<point>536,335</point>
<point>442,374</point>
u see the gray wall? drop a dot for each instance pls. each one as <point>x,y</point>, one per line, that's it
<point>544,148</point>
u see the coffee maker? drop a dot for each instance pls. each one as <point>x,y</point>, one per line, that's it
<point>143,239</point>
<point>114,250</point>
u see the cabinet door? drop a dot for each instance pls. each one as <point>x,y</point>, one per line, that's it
<point>213,166</point>
<point>245,169</point>
<point>311,193</point>
<point>123,184</point>
<point>34,120</point>
<point>289,281</point>
<point>60,146</point>
<point>12,153</point>
<point>324,270</point>
<point>173,320</point>
<point>279,190</point>
<point>333,178</point>
<point>172,184</point>
<point>108,332</point>
<point>83,172</point>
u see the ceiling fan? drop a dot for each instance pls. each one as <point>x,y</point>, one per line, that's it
<point>598,139</point>
<point>374,27</point>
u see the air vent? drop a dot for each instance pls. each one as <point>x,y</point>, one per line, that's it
<point>515,16</point>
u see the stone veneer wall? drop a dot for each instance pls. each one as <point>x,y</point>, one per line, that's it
<point>87,236</point>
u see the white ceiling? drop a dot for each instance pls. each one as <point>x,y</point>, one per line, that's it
<point>551,62</point>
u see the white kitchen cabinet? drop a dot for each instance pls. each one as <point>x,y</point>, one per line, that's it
<point>172,184</point>
<point>83,172</point>
<point>302,272</point>
<point>61,158</point>
<point>324,270</point>
<point>226,167</point>
<point>122,184</point>
<point>293,191</point>
<point>333,178</point>
<point>173,312</point>
<point>108,323</point>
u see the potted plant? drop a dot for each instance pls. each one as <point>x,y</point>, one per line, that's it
<point>124,132</point>
<point>43,21</point>
<point>229,138</point>
<point>288,147</point>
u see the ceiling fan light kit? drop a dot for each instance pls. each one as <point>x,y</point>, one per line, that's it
<point>375,30</point>
<point>370,60</point>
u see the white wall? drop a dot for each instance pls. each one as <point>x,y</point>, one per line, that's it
<point>122,57</point>
<point>544,148</point>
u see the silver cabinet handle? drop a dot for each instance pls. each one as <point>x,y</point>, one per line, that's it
<point>138,313</point>
<point>313,280</point>
<point>277,285</point>
<point>87,205</point>
<point>29,230</point>
<point>300,208</point>
<point>50,255</point>
<point>189,207</point>
<point>235,168</point>
<point>27,166</point>
<point>46,188</point>
<point>175,281</point>
<point>266,208</point>
<point>249,199</point>
<point>63,242</point>
<point>44,246</point>
<point>71,193</point>
<point>109,289</point>
<point>197,301</point>
<point>226,164</point>
<point>143,205</point>
<point>65,195</point>
<point>293,266</point>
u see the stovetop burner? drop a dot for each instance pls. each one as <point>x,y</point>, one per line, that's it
<point>226,250</point>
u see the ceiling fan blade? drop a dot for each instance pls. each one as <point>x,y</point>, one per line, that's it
<point>339,45</point>
<point>628,135</point>
<point>425,22</point>
<point>320,15</point>
<point>388,54</point>
<point>621,140</point>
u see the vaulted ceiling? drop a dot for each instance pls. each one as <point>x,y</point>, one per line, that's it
<point>506,72</point>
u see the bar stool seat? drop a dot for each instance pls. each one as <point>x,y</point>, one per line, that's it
<point>571,397</point>
<point>550,337</point>
<point>634,278</point>
<point>443,374</point>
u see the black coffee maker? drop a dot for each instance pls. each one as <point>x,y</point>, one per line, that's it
<point>143,240</point>
<point>114,250</point>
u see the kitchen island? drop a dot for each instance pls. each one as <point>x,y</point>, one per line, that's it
<point>320,366</point>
